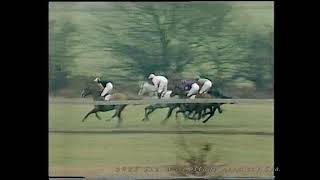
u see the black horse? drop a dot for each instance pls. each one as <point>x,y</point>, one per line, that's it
<point>199,109</point>
<point>95,92</point>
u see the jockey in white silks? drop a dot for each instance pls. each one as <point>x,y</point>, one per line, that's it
<point>206,84</point>
<point>160,83</point>
<point>107,88</point>
<point>191,87</point>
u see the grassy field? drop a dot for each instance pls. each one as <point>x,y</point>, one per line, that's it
<point>103,154</point>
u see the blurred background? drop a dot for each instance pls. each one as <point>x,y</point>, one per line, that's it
<point>229,42</point>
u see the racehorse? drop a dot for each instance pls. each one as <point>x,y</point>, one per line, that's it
<point>147,88</point>
<point>199,108</point>
<point>95,92</point>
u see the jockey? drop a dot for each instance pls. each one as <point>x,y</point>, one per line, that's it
<point>191,87</point>
<point>206,84</point>
<point>160,83</point>
<point>107,88</point>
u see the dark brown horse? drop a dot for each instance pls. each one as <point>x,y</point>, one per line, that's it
<point>95,91</point>
<point>199,109</point>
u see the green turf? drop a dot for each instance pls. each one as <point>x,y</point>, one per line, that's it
<point>92,153</point>
<point>81,150</point>
<point>255,117</point>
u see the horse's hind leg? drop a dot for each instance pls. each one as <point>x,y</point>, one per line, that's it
<point>98,116</point>
<point>94,110</point>
<point>119,111</point>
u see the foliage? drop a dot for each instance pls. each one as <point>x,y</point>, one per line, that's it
<point>124,42</point>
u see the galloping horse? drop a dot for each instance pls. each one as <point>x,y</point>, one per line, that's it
<point>147,88</point>
<point>199,109</point>
<point>95,92</point>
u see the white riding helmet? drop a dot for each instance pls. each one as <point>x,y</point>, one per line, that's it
<point>96,79</point>
<point>151,76</point>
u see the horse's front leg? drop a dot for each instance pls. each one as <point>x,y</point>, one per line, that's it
<point>148,110</point>
<point>94,110</point>
<point>211,113</point>
<point>171,108</point>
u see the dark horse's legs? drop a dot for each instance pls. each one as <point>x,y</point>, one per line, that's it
<point>118,114</point>
<point>148,110</point>
<point>94,110</point>
<point>151,108</point>
<point>171,108</point>
<point>213,110</point>
<point>98,116</point>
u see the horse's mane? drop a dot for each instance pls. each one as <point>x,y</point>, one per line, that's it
<point>149,81</point>
<point>95,87</point>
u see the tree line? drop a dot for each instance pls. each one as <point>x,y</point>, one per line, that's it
<point>179,40</point>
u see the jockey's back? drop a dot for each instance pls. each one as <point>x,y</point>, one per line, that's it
<point>203,80</point>
<point>157,79</point>
<point>104,82</point>
<point>187,84</point>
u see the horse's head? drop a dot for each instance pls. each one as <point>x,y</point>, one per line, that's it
<point>217,93</point>
<point>91,89</point>
<point>85,92</point>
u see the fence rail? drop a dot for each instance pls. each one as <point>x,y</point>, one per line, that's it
<point>160,101</point>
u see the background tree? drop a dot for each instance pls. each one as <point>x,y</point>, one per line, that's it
<point>124,42</point>
<point>60,58</point>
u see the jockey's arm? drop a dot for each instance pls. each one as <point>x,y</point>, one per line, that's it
<point>202,80</point>
<point>155,82</point>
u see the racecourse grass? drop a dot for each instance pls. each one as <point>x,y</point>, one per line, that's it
<point>101,154</point>
<point>246,117</point>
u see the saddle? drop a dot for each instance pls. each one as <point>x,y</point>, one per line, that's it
<point>199,84</point>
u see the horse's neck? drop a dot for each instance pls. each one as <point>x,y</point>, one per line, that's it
<point>149,87</point>
<point>96,96</point>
